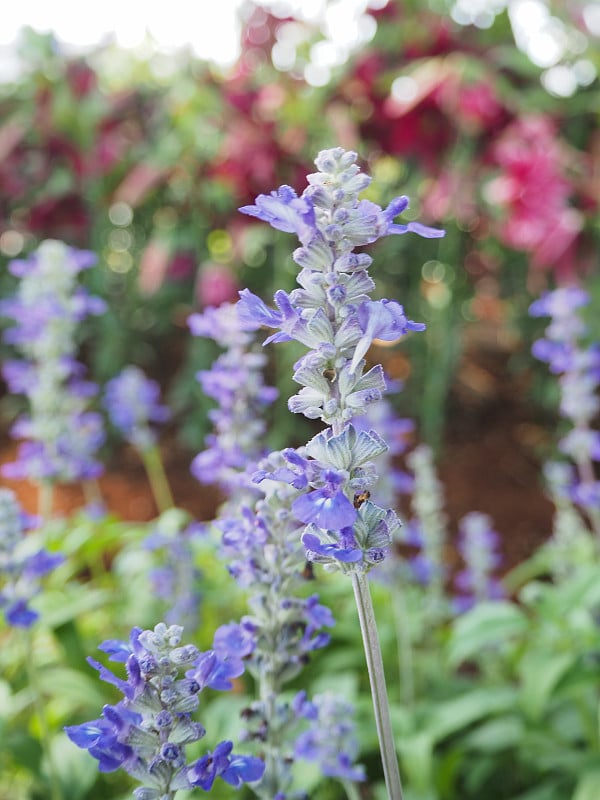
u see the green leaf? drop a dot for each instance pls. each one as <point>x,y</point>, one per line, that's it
<point>417,760</point>
<point>487,625</point>
<point>551,790</point>
<point>540,674</point>
<point>72,687</point>
<point>77,771</point>
<point>496,735</point>
<point>588,786</point>
<point>60,607</point>
<point>454,715</point>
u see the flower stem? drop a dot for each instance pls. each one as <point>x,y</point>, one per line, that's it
<point>45,500</point>
<point>404,644</point>
<point>351,789</point>
<point>368,626</point>
<point>92,493</point>
<point>158,479</point>
<point>38,705</point>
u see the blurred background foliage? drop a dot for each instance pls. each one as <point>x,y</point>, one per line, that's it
<point>484,112</point>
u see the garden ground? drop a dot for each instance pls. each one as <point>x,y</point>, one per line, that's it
<point>489,462</point>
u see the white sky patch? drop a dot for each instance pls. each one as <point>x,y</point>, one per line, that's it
<point>210,29</point>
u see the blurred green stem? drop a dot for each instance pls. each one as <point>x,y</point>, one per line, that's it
<point>92,493</point>
<point>351,789</point>
<point>40,711</point>
<point>45,499</point>
<point>158,479</point>
<point>404,644</point>
<point>368,626</point>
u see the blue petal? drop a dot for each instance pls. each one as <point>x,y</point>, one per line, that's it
<point>332,512</point>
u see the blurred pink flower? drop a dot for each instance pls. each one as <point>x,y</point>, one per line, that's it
<point>216,285</point>
<point>534,192</point>
<point>182,265</point>
<point>153,267</point>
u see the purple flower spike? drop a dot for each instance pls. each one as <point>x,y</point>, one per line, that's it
<point>64,437</point>
<point>133,404</point>
<point>20,571</point>
<point>146,733</point>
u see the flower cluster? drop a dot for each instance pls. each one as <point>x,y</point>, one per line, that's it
<point>235,382</point>
<point>266,557</point>
<point>133,403</point>
<point>146,733</point>
<point>427,528</point>
<point>571,543</point>
<point>578,368</point>
<point>332,314</point>
<point>46,311</point>
<point>176,578</point>
<point>20,570</point>
<point>330,739</point>
<point>478,544</point>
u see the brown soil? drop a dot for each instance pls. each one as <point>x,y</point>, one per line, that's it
<point>489,461</point>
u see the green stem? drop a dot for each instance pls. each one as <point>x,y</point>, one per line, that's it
<point>92,493</point>
<point>45,500</point>
<point>404,644</point>
<point>368,626</point>
<point>38,705</point>
<point>158,479</point>
<point>351,789</point>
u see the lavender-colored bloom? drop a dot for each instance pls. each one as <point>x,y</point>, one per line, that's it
<point>333,315</point>
<point>344,549</point>
<point>133,404</point>
<point>222,763</point>
<point>285,211</point>
<point>327,507</point>
<point>381,319</point>
<point>578,368</point>
<point>478,546</point>
<point>266,557</point>
<point>176,578</point>
<point>427,529</point>
<point>146,733</point>
<point>330,739</point>
<point>63,434</point>
<point>235,382</point>
<point>20,569</point>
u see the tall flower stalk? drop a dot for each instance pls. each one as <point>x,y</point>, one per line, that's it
<point>133,403</point>
<point>147,732</point>
<point>267,559</point>
<point>21,571</point>
<point>61,434</point>
<point>333,315</point>
<point>235,382</point>
<point>577,365</point>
